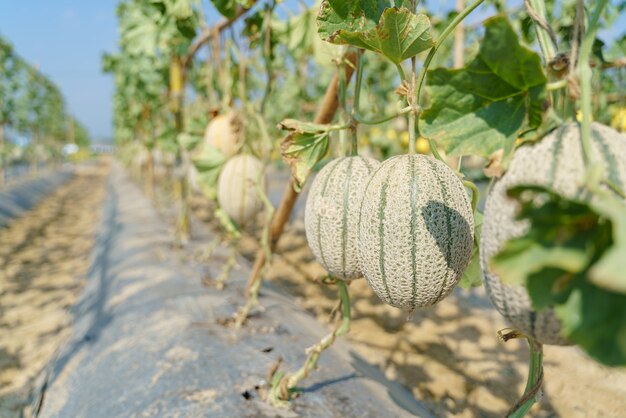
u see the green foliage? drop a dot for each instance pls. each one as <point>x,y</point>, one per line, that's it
<point>572,258</point>
<point>208,162</point>
<point>482,107</point>
<point>32,105</point>
<point>229,8</point>
<point>302,151</point>
<point>395,32</point>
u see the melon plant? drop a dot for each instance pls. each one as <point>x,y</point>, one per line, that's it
<point>556,161</point>
<point>332,214</point>
<point>237,192</point>
<point>416,231</point>
<point>222,132</point>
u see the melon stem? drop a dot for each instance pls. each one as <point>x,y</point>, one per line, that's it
<point>285,388</point>
<point>446,32</point>
<point>252,291</point>
<point>532,392</point>
<point>228,266</point>
<point>343,138</point>
<point>546,42</point>
<point>433,149</point>
<point>412,132</point>
<point>584,76</point>
<point>470,185</point>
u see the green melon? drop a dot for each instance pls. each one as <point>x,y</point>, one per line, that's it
<point>222,132</point>
<point>237,192</point>
<point>332,214</point>
<point>555,161</point>
<point>416,231</point>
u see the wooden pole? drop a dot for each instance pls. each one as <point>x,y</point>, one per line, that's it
<point>325,114</point>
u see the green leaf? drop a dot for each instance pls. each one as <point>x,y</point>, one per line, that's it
<point>395,32</point>
<point>303,127</point>
<point>568,260</point>
<point>209,158</point>
<point>228,8</point>
<point>594,319</point>
<point>523,257</point>
<point>301,151</point>
<point>188,141</point>
<point>472,277</point>
<point>610,271</point>
<point>208,162</point>
<point>481,108</point>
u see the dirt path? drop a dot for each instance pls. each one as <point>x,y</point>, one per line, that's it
<point>449,355</point>
<point>44,257</point>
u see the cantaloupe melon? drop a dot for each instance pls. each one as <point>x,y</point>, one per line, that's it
<point>332,214</point>
<point>237,192</point>
<point>416,231</point>
<point>222,132</point>
<point>555,161</point>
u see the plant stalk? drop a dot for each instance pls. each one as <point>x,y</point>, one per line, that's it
<point>325,114</point>
<point>285,389</point>
<point>584,76</point>
<point>470,185</point>
<point>547,45</point>
<point>446,32</point>
<point>533,385</point>
<point>402,111</point>
<point>412,117</point>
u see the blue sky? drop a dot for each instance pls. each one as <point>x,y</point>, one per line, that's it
<point>65,38</point>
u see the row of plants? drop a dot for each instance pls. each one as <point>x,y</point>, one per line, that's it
<point>521,100</point>
<point>35,123</point>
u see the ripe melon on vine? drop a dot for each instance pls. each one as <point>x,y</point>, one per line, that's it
<point>237,188</point>
<point>556,161</point>
<point>416,231</point>
<point>223,133</point>
<point>332,214</point>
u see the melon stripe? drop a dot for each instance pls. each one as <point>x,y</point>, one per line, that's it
<point>412,251</point>
<point>612,168</point>
<point>414,192</point>
<point>381,232</point>
<point>367,164</point>
<point>344,220</point>
<point>446,199</point>
<point>331,214</point>
<point>319,218</point>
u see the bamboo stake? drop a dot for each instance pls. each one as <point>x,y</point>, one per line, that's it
<point>325,114</point>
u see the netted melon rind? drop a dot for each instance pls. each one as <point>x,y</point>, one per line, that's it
<point>555,161</point>
<point>222,132</point>
<point>416,231</point>
<point>237,192</point>
<point>332,214</point>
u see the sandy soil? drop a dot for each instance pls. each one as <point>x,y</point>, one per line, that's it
<point>448,355</point>
<point>44,257</point>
